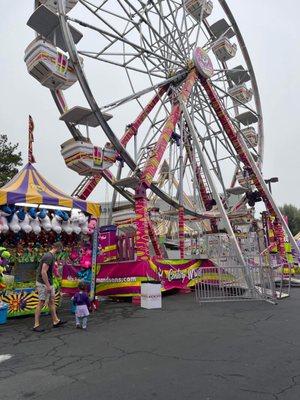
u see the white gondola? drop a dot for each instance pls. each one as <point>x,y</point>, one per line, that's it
<point>241,93</point>
<point>52,4</point>
<point>244,179</point>
<point>198,8</point>
<point>241,179</point>
<point>85,158</point>
<point>224,50</point>
<point>49,65</point>
<point>251,136</point>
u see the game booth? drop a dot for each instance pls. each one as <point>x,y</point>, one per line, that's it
<point>33,215</point>
<point>119,272</point>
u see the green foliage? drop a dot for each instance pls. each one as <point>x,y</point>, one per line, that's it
<point>10,160</point>
<point>293,214</point>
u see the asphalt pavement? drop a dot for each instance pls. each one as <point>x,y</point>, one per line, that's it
<point>219,351</point>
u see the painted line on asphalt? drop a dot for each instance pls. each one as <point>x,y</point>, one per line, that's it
<point>5,357</point>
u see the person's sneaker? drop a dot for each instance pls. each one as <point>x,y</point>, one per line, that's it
<point>78,326</point>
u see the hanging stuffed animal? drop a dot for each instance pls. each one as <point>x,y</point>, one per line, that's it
<point>12,219</point>
<point>5,212</point>
<point>67,227</point>
<point>44,220</point>
<point>92,225</point>
<point>65,222</point>
<point>14,223</point>
<point>84,223</point>
<point>56,222</point>
<point>75,221</point>
<point>25,224</point>
<point>4,225</point>
<point>21,214</point>
<point>34,221</point>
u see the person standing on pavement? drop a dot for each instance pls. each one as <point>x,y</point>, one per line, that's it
<point>82,304</point>
<point>45,289</point>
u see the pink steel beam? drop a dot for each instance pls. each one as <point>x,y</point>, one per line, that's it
<point>160,147</point>
<point>181,231</point>
<point>152,166</point>
<point>89,187</point>
<point>142,229</point>
<point>233,137</point>
<point>132,130</point>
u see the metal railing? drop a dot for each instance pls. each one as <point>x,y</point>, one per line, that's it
<point>228,280</point>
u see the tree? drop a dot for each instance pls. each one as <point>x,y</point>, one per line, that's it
<point>293,215</point>
<point>10,159</point>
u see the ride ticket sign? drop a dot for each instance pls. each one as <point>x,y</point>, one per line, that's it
<point>203,63</point>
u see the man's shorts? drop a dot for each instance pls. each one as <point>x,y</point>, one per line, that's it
<point>43,293</point>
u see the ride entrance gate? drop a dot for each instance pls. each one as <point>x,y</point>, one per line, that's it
<point>227,279</point>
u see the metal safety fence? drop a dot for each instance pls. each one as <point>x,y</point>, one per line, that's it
<point>229,280</point>
<point>235,283</point>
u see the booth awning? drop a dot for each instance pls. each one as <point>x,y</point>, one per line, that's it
<point>29,186</point>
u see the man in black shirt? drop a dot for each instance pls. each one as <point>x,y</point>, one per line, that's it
<point>45,289</point>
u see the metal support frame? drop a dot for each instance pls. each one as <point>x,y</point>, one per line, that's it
<point>209,177</point>
<point>181,210</point>
<point>241,148</point>
<point>94,262</point>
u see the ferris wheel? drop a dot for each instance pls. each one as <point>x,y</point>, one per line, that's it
<point>169,88</point>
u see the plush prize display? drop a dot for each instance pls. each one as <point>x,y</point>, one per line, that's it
<point>33,220</point>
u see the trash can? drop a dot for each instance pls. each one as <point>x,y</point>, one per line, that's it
<point>3,313</point>
<point>151,295</point>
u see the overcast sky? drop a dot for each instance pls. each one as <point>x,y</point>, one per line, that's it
<point>271,31</point>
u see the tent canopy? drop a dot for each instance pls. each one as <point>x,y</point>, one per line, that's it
<point>29,186</point>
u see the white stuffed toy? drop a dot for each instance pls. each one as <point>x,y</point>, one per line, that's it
<point>84,225</point>
<point>75,221</point>
<point>35,225</point>
<point>25,224</point>
<point>67,227</point>
<point>14,224</point>
<point>4,225</point>
<point>5,212</point>
<point>34,221</point>
<point>56,224</point>
<point>45,220</point>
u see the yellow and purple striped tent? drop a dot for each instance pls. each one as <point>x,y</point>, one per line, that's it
<point>29,186</point>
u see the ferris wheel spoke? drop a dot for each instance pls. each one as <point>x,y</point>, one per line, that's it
<point>116,103</point>
<point>154,30</point>
<point>164,20</point>
<point>108,61</point>
<point>210,134</point>
<point>140,49</point>
<point>215,120</point>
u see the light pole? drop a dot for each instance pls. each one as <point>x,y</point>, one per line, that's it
<point>271,180</point>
